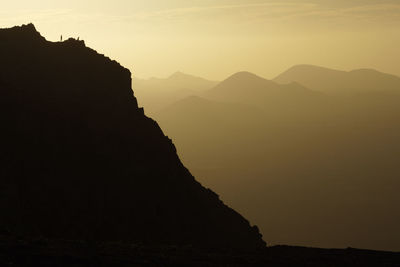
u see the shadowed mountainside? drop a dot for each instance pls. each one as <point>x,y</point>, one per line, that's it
<point>79,159</point>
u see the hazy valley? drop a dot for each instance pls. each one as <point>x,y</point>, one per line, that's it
<point>101,169</point>
<point>311,156</point>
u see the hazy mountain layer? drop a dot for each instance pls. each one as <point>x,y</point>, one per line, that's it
<point>320,171</point>
<point>157,94</point>
<point>359,81</point>
<point>79,160</point>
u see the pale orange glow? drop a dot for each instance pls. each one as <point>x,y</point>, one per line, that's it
<point>214,39</point>
<point>288,109</point>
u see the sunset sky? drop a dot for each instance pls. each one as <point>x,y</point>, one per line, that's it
<point>215,38</point>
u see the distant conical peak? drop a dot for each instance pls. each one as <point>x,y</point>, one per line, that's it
<point>182,75</point>
<point>178,73</point>
<point>246,77</point>
<point>245,74</point>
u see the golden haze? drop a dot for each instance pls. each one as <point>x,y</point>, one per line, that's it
<point>310,167</point>
<point>214,39</point>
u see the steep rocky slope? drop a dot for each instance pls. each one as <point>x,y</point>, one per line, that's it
<point>80,160</point>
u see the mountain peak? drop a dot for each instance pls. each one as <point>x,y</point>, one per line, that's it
<point>178,74</point>
<point>21,33</point>
<point>245,79</point>
<point>245,75</point>
<point>338,81</point>
<point>184,76</point>
<point>27,27</point>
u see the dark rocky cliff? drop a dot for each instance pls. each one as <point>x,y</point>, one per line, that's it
<point>80,160</point>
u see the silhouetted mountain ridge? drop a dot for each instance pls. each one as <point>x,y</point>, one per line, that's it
<point>341,82</point>
<point>180,76</point>
<point>324,162</point>
<point>250,89</point>
<point>157,93</point>
<point>80,160</point>
<point>176,81</point>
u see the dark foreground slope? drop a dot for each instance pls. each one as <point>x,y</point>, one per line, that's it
<point>43,252</point>
<point>79,160</point>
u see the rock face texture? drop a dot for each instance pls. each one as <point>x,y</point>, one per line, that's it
<point>80,160</point>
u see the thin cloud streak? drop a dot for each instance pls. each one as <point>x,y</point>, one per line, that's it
<point>277,11</point>
<point>256,12</point>
<point>180,12</point>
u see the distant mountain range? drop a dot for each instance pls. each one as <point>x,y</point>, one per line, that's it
<point>248,88</point>
<point>311,156</point>
<point>156,93</point>
<point>340,82</point>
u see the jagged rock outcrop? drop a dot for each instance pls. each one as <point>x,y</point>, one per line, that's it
<point>80,160</point>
